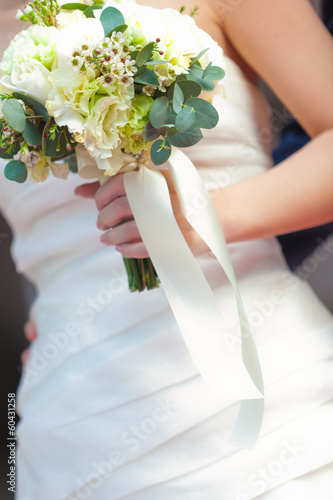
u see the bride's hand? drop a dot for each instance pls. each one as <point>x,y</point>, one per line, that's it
<point>116,217</point>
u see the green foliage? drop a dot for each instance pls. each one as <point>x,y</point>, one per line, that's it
<point>35,105</point>
<point>160,112</point>
<point>145,54</point>
<point>74,6</point>
<point>206,115</point>
<point>8,153</point>
<point>72,164</point>
<point>89,12</point>
<point>16,171</point>
<point>32,135</point>
<point>146,76</point>
<point>185,119</point>
<point>150,133</point>
<point>111,19</point>
<point>14,113</point>
<point>160,152</point>
<point>187,138</point>
<point>178,98</point>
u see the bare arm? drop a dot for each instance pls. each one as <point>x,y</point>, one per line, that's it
<point>288,46</point>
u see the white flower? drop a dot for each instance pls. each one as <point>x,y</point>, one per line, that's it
<point>101,134</point>
<point>86,31</point>
<point>27,9</point>
<point>65,19</point>
<point>36,42</point>
<point>29,77</point>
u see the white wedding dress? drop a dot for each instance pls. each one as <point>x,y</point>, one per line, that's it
<point>111,404</point>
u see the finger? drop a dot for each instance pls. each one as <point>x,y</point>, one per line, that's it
<point>25,356</point>
<point>124,233</point>
<point>114,213</point>
<point>30,331</point>
<point>110,190</point>
<point>87,190</point>
<point>133,250</point>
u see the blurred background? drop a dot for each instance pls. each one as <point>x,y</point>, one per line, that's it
<point>16,294</point>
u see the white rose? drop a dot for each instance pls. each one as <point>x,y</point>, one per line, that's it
<point>30,78</point>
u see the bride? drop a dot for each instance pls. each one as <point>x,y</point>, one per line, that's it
<point>111,404</point>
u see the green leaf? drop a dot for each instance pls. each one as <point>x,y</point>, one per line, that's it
<point>155,63</point>
<point>150,133</point>
<point>206,115</point>
<point>14,150</point>
<point>89,12</point>
<point>16,171</point>
<point>185,119</point>
<point>110,19</point>
<point>35,105</point>
<point>178,98</point>
<point>14,113</point>
<point>190,89</point>
<point>196,75</point>
<point>121,28</point>
<point>215,73</point>
<point>159,112</point>
<point>195,59</point>
<point>50,147</point>
<point>206,70</point>
<point>187,138</point>
<point>168,130</point>
<point>160,152</point>
<point>72,164</point>
<point>32,135</point>
<point>74,6</point>
<point>146,76</point>
<point>145,54</point>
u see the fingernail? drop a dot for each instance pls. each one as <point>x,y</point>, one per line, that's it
<point>102,238</point>
<point>119,248</point>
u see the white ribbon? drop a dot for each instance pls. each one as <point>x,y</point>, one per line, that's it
<point>228,374</point>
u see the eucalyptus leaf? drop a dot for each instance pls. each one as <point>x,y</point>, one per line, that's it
<point>74,6</point>
<point>178,98</point>
<point>185,119</point>
<point>168,130</point>
<point>145,54</point>
<point>215,73</point>
<point>32,135</point>
<point>159,112</point>
<point>89,12</point>
<point>150,133</point>
<point>160,152</point>
<point>110,19</point>
<point>14,113</point>
<point>146,76</point>
<point>155,63</point>
<point>35,105</point>
<point>72,164</point>
<point>121,28</point>
<point>195,59</point>
<point>190,89</point>
<point>206,70</point>
<point>206,115</point>
<point>16,171</point>
<point>187,138</point>
<point>196,74</point>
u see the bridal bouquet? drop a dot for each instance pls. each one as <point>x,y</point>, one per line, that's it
<point>114,80</point>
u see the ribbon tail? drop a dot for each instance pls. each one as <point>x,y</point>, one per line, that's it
<point>191,299</point>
